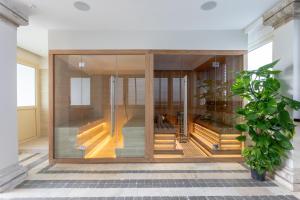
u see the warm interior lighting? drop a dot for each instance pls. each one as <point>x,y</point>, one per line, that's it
<point>103,124</point>
<point>101,146</point>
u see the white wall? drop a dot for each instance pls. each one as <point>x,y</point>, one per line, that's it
<point>8,100</point>
<point>190,40</point>
<point>258,34</point>
<point>286,43</point>
<point>283,42</point>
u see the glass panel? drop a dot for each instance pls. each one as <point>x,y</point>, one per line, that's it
<point>25,85</point>
<point>200,117</point>
<point>99,106</point>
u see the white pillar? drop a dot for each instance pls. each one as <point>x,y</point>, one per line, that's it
<point>296,96</point>
<point>11,173</point>
<point>296,61</point>
<point>286,47</point>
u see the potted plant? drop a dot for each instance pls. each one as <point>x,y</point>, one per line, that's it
<point>266,119</point>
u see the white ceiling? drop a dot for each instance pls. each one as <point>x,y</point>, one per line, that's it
<point>138,15</point>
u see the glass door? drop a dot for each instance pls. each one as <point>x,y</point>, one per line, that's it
<point>99,106</point>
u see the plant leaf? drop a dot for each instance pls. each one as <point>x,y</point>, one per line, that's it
<point>242,127</point>
<point>241,138</point>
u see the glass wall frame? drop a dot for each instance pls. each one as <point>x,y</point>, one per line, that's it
<point>137,98</point>
<point>149,101</point>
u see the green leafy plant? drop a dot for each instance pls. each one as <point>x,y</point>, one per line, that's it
<point>266,118</point>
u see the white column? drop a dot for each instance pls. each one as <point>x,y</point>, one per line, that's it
<point>296,96</point>
<point>286,47</point>
<point>296,61</point>
<point>11,173</point>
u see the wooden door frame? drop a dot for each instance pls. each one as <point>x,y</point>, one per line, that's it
<point>149,104</point>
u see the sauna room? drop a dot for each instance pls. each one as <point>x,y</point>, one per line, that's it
<point>99,106</point>
<point>138,106</point>
<point>193,106</point>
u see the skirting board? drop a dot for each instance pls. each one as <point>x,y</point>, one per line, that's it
<point>285,178</point>
<point>12,176</point>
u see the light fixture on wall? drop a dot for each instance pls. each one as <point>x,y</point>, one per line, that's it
<point>209,5</point>
<point>81,64</point>
<point>215,64</point>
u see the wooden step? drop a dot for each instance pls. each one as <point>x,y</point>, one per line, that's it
<point>176,150</point>
<point>164,141</point>
<point>203,150</point>
<point>230,146</point>
<point>94,141</point>
<point>225,141</point>
<point>215,134</point>
<point>203,141</point>
<point>206,137</point>
<point>165,146</point>
<point>99,146</point>
<point>87,134</point>
<point>229,136</point>
<point>165,136</point>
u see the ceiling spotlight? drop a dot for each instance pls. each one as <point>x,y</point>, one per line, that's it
<point>82,6</point>
<point>209,5</point>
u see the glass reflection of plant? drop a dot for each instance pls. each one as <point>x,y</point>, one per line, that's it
<point>215,92</point>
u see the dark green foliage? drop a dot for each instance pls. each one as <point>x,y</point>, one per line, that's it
<point>267,121</point>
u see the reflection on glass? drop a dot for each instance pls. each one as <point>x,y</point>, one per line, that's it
<point>99,106</point>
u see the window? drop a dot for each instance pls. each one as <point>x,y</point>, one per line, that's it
<point>260,56</point>
<point>25,85</point>
<point>136,91</point>
<point>161,90</point>
<point>80,91</point>
<point>178,89</point>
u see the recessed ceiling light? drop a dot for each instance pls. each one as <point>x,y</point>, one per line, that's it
<point>81,6</point>
<point>209,5</point>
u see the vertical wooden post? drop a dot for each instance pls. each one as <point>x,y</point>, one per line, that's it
<point>51,108</point>
<point>149,109</point>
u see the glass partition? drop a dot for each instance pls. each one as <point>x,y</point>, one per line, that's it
<point>99,106</point>
<point>194,107</point>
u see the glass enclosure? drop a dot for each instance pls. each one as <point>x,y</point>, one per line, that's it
<point>99,106</point>
<point>194,106</point>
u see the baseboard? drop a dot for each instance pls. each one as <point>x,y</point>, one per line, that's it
<point>285,178</point>
<point>27,139</point>
<point>12,176</point>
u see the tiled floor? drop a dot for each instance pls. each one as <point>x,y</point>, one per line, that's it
<point>186,181</point>
<point>37,145</point>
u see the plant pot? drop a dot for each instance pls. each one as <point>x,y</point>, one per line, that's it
<point>256,176</point>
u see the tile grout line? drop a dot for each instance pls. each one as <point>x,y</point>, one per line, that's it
<point>146,183</point>
<point>37,162</point>
<point>263,197</point>
<point>27,158</point>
